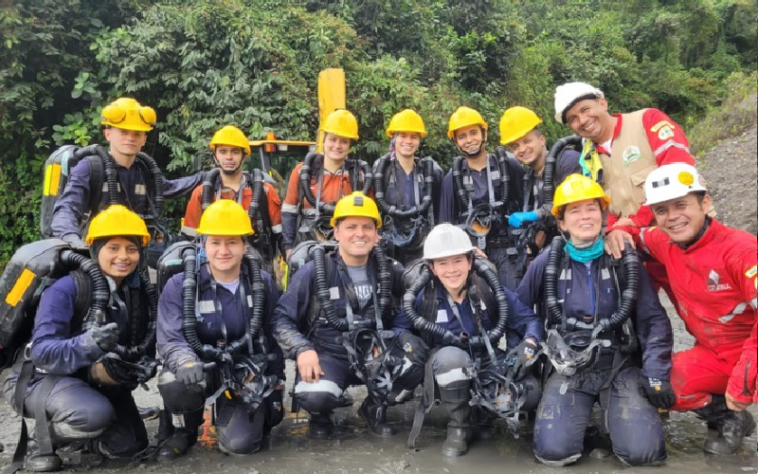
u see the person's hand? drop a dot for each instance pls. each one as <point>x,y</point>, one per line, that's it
<point>190,373</point>
<point>308,366</point>
<point>734,405</point>
<point>626,222</point>
<point>106,337</point>
<point>615,241</point>
<point>517,219</point>
<point>525,352</point>
<point>658,391</point>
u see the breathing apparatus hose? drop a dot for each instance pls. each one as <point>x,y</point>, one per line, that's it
<point>255,203</point>
<point>88,150</point>
<point>628,303</point>
<point>629,294</point>
<point>322,289</point>
<point>384,280</point>
<point>435,330</point>
<point>157,176</point>
<point>305,181</point>
<point>152,302</point>
<point>427,169</point>
<point>460,190</point>
<point>209,183</point>
<point>189,320</point>
<point>505,175</point>
<point>550,161</point>
<point>100,290</point>
<point>111,175</point>
<point>259,300</point>
<point>554,259</point>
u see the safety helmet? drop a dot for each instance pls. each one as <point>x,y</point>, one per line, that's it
<point>406,121</point>
<point>446,240</point>
<point>126,113</point>
<point>568,94</point>
<point>117,221</point>
<point>225,217</point>
<point>356,205</point>
<point>577,188</point>
<point>464,117</point>
<point>671,182</point>
<point>341,123</point>
<point>230,135</point>
<point>516,122</point>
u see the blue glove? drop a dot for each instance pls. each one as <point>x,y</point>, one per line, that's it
<point>517,219</point>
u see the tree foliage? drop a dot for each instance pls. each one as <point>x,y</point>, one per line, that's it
<point>254,63</point>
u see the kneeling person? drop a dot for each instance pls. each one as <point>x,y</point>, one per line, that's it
<point>331,319</point>
<point>228,328</point>
<point>76,360</point>
<point>455,310</point>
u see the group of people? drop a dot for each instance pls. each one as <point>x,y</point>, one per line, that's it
<point>522,281</point>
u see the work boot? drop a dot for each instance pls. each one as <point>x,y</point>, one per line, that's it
<point>732,428</point>
<point>320,425</point>
<point>376,417</point>
<point>165,426</point>
<point>483,424</point>
<point>182,439</point>
<point>43,463</point>
<point>459,426</point>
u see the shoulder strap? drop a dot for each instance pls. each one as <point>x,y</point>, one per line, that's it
<point>96,180</point>
<point>315,305</point>
<point>485,293</point>
<point>82,300</point>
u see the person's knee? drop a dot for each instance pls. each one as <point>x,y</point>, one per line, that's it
<point>177,397</point>
<point>240,445</point>
<point>451,367</point>
<point>554,453</point>
<point>316,397</point>
<point>84,414</point>
<point>654,456</point>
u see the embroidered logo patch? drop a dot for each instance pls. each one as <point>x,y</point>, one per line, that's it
<point>664,128</point>
<point>714,282</point>
<point>752,272</point>
<point>631,154</point>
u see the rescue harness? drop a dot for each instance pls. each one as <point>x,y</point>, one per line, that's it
<point>406,226</point>
<point>320,229</point>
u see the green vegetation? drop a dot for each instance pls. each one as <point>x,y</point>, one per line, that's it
<point>205,63</point>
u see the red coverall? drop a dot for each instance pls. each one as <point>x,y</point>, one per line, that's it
<point>715,283</point>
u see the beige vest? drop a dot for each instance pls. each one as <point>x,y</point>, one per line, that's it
<point>625,171</point>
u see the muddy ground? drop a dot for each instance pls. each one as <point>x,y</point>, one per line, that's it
<point>730,170</point>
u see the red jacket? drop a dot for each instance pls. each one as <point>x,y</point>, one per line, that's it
<point>715,283</point>
<point>669,144</point>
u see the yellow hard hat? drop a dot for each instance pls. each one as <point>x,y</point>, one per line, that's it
<point>341,123</point>
<point>464,117</point>
<point>128,114</point>
<point>356,205</point>
<point>577,188</point>
<point>117,221</point>
<point>230,136</point>
<point>225,217</point>
<point>406,121</point>
<point>516,122</point>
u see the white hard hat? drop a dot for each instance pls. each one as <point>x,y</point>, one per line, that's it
<point>567,94</point>
<point>446,240</point>
<point>671,182</point>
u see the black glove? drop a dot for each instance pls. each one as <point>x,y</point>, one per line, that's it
<point>524,353</point>
<point>190,373</point>
<point>106,337</point>
<point>658,391</point>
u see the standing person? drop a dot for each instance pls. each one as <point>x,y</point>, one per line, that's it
<point>607,334</point>
<point>480,191</point>
<point>407,189</point>
<point>712,269</point>
<point>76,360</point>
<point>519,131</point>
<point>330,321</point>
<point>230,149</point>
<point>227,324</point>
<point>455,307</point>
<point>126,123</point>
<point>320,181</point>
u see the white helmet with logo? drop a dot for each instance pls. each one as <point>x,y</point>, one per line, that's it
<point>567,94</point>
<point>671,182</point>
<point>446,240</point>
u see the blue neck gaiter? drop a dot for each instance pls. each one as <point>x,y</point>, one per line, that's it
<point>586,254</point>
